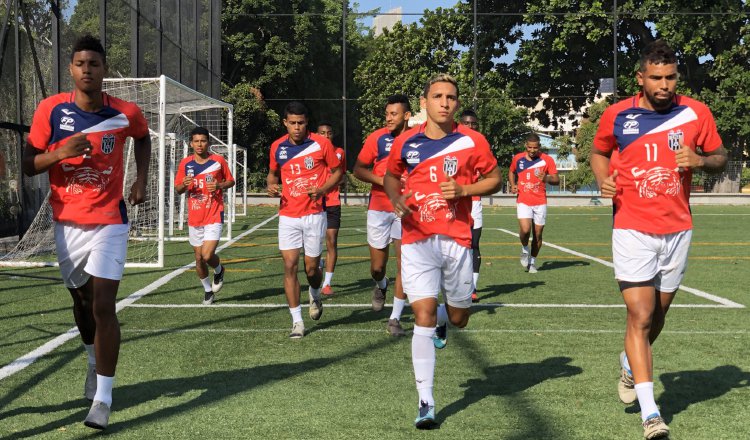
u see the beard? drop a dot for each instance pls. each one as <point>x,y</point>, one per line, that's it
<point>659,104</point>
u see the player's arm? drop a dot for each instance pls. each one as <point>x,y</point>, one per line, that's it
<point>272,183</point>
<point>36,161</point>
<point>512,181</point>
<point>713,161</point>
<point>392,187</point>
<point>364,173</point>
<point>184,185</point>
<point>333,180</point>
<point>142,153</point>
<point>489,184</point>
<point>552,179</point>
<point>600,167</point>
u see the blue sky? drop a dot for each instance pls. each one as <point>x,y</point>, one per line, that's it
<point>411,6</point>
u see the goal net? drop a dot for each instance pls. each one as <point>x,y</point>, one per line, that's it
<point>172,111</point>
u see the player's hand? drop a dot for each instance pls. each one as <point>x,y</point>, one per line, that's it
<point>609,186</point>
<point>211,186</point>
<point>687,158</point>
<point>273,190</point>
<point>451,189</point>
<point>137,192</point>
<point>187,181</point>
<point>514,189</point>
<point>400,208</point>
<point>314,192</point>
<point>541,175</point>
<point>76,145</point>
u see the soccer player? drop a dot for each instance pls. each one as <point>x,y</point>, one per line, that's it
<point>469,118</point>
<point>529,174</point>
<point>78,138</point>
<point>383,226</point>
<point>442,159</point>
<point>654,140</point>
<point>307,165</point>
<point>205,176</point>
<point>333,213</point>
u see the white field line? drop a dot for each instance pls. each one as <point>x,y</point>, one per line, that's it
<point>368,306</point>
<point>31,357</point>
<point>718,299</point>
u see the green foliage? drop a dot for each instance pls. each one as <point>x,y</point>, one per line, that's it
<point>583,175</point>
<point>255,125</point>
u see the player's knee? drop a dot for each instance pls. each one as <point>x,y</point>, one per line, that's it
<point>459,321</point>
<point>640,318</point>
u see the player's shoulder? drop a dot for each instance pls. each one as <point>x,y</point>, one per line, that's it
<point>320,140</point>
<point>518,156</point>
<point>185,160</point>
<point>620,106</point>
<point>123,106</point>
<point>279,141</point>
<point>408,134</point>
<point>697,106</point>
<point>53,101</point>
<point>377,134</point>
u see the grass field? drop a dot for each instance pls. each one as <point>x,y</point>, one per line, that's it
<point>537,361</point>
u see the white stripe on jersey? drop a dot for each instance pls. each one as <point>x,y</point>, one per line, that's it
<point>463,143</point>
<point>216,166</point>
<point>540,164</point>
<point>119,121</point>
<point>685,116</point>
<point>309,150</point>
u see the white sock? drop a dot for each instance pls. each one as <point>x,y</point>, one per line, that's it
<point>525,249</point>
<point>423,360</point>
<point>104,389</point>
<point>327,280</point>
<point>645,392</point>
<point>217,269</point>
<point>398,308</point>
<point>206,284</point>
<point>91,353</point>
<point>296,314</point>
<point>442,315</point>
<point>476,279</point>
<point>382,283</point>
<point>532,260</point>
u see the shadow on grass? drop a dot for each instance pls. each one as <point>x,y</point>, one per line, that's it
<point>551,265</point>
<point>497,290</point>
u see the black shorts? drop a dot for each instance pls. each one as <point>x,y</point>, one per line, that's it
<point>333,214</point>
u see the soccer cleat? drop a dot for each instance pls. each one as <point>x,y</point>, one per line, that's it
<point>524,259</point>
<point>98,417</point>
<point>426,416</point>
<point>474,297</point>
<point>218,280</point>
<point>655,427</point>
<point>394,328</point>
<point>327,291</point>
<point>89,387</point>
<point>316,307</point>
<point>208,298</point>
<point>532,268</point>
<point>298,330</point>
<point>378,297</point>
<point>626,385</point>
<point>440,340</point>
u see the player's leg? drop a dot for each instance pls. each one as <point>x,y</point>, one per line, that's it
<point>399,297</point>
<point>536,245</point>
<point>84,318</point>
<point>379,225</point>
<point>195,238</point>
<point>290,242</point>
<point>672,266</point>
<point>457,272</point>
<point>524,214</point>
<point>333,214</point>
<point>212,235</point>
<point>476,235</point>
<point>314,233</point>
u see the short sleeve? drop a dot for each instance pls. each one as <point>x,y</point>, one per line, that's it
<point>41,130</point>
<point>604,140</point>
<point>551,167</point>
<point>485,160</point>
<point>138,123</point>
<point>329,154</point>
<point>225,169</point>
<point>395,165</point>
<point>369,151</point>
<point>180,176</point>
<point>708,138</point>
<point>273,165</point>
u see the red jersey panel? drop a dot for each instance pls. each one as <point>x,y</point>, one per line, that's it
<point>461,154</point>
<point>333,198</point>
<point>204,207</point>
<point>87,190</point>
<point>375,153</point>
<point>531,190</point>
<point>301,167</point>
<point>653,194</point>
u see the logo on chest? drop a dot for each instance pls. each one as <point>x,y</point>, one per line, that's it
<point>631,127</point>
<point>450,165</point>
<point>67,123</point>
<point>108,143</point>
<point>674,138</point>
<point>309,162</point>
<point>412,157</point>
<point>282,153</point>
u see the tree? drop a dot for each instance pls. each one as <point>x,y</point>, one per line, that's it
<point>582,175</point>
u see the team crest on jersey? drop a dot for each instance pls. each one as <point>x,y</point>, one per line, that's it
<point>631,126</point>
<point>309,162</point>
<point>67,123</point>
<point>412,157</point>
<point>675,139</point>
<point>108,143</point>
<point>282,153</point>
<point>450,165</point>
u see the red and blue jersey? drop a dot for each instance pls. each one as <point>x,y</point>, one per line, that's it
<point>302,167</point>
<point>204,207</point>
<point>653,194</point>
<point>333,198</point>
<point>461,155</point>
<point>531,190</point>
<point>375,153</point>
<point>87,190</point>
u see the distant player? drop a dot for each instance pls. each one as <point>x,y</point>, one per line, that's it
<point>442,159</point>
<point>204,176</point>
<point>530,172</point>
<point>655,140</point>
<point>469,118</point>
<point>306,165</point>
<point>333,212</point>
<point>383,226</point>
<point>78,137</point>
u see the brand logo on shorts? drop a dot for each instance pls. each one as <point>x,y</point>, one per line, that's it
<point>675,139</point>
<point>412,157</point>
<point>67,123</point>
<point>309,162</point>
<point>282,153</point>
<point>630,127</point>
<point>450,165</point>
<point>108,143</point>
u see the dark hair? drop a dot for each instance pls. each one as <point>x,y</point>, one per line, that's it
<point>399,98</point>
<point>88,42</point>
<point>198,131</point>
<point>657,52</point>
<point>532,137</point>
<point>469,112</point>
<point>295,108</point>
<point>324,122</point>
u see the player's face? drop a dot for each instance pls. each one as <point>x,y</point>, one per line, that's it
<point>199,142</point>
<point>296,127</point>
<point>396,117</point>
<point>658,82</point>
<point>441,102</point>
<point>532,149</point>
<point>326,131</point>
<point>471,122</point>
<point>88,69</point>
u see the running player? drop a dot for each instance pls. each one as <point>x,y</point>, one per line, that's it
<point>307,165</point>
<point>469,118</point>
<point>204,176</point>
<point>333,213</point>
<point>442,159</point>
<point>530,172</point>
<point>652,139</point>
<point>383,226</point>
<point>78,137</point>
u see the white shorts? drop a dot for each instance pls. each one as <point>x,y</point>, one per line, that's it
<point>198,234</point>
<point>86,251</point>
<point>436,263</point>
<point>476,213</point>
<point>538,213</point>
<point>306,232</point>
<point>639,256</point>
<point>382,228</point>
